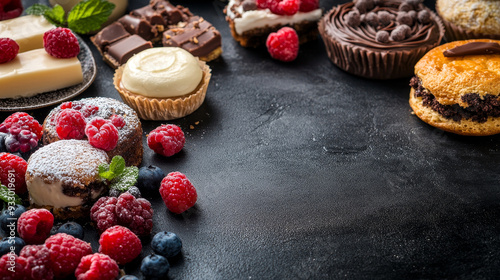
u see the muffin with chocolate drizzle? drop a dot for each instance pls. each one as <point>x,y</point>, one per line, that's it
<point>456,87</point>
<point>380,39</point>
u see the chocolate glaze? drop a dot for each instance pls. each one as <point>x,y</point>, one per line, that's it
<point>365,34</point>
<point>151,15</point>
<point>123,50</point>
<point>473,48</point>
<point>479,109</point>
<point>110,34</point>
<point>139,26</point>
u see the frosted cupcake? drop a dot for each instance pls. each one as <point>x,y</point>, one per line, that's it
<point>163,83</point>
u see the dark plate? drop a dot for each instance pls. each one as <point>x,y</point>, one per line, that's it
<point>53,97</point>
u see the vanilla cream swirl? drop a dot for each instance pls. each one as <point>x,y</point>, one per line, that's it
<point>364,35</point>
<point>162,72</point>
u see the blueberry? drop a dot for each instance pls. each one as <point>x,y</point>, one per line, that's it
<point>9,217</point>
<point>134,191</point>
<point>3,148</point>
<point>8,242</point>
<point>129,277</point>
<point>167,244</point>
<point>72,228</point>
<point>150,178</point>
<point>155,267</point>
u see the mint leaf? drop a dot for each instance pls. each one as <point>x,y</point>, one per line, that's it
<point>89,15</point>
<point>127,179</point>
<point>56,15</point>
<point>8,196</point>
<point>117,165</point>
<point>105,173</point>
<point>37,9</point>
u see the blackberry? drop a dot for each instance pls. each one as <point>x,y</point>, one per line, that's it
<point>3,148</point>
<point>134,191</point>
<point>114,192</point>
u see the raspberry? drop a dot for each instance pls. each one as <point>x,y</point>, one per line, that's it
<point>262,4</point>
<point>16,273</point>
<point>308,5</point>
<point>60,42</point>
<point>39,264</point>
<point>10,9</point>
<point>120,243</point>
<point>284,44</point>
<point>70,124</point>
<point>103,212</point>
<point>167,140</point>
<point>12,171</point>
<point>97,267</point>
<point>23,142</point>
<point>8,50</point>
<point>67,105</point>
<point>20,121</point>
<point>177,192</point>
<point>102,134</point>
<point>66,252</point>
<point>126,210</point>
<point>88,110</point>
<point>34,225</point>
<point>283,7</point>
<point>117,121</point>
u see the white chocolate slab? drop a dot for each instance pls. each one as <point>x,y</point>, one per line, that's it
<point>27,31</point>
<point>35,71</point>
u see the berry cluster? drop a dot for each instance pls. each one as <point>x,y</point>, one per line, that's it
<point>125,210</point>
<point>20,132</point>
<point>285,7</point>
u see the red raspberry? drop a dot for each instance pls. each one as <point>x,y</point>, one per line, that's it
<point>117,121</point>
<point>70,124</point>
<point>167,140</point>
<point>12,172</point>
<point>177,192</point>
<point>87,110</point>
<point>126,210</point>
<point>120,243</point>
<point>10,9</point>
<point>20,121</point>
<point>60,42</point>
<point>308,5</point>
<point>34,225</point>
<point>103,213</point>
<point>19,272</point>
<point>262,4</point>
<point>66,252</point>
<point>8,50</point>
<point>97,267</point>
<point>67,105</point>
<point>39,264</point>
<point>102,134</point>
<point>284,7</point>
<point>284,44</point>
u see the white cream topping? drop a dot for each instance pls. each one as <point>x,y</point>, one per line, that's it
<point>162,72</point>
<point>260,18</point>
<point>43,194</point>
<point>27,31</point>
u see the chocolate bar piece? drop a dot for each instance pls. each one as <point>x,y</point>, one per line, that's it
<point>173,14</point>
<point>109,35</point>
<point>198,37</point>
<point>139,26</point>
<point>153,16</point>
<point>124,49</point>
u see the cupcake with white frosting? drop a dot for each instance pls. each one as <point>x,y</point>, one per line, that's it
<point>163,83</point>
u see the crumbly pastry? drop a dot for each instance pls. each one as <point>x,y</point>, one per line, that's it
<point>459,94</point>
<point>470,19</point>
<point>381,39</point>
<point>163,83</point>
<point>251,26</point>
<point>129,144</point>
<point>63,177</point>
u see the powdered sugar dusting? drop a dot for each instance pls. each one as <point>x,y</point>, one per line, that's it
<point>73,162</point>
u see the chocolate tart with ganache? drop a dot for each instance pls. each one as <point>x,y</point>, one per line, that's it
<point>129,144</point>
<point>470,19</point>
<point>157,24</point>
<point>380,39</point>
<point>163,83</point>
<point>63,177</point>
<point>251,26</point>
<point>456,87</point>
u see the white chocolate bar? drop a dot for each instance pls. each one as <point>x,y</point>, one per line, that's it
<point>35,72</point>
<point>27,31</point>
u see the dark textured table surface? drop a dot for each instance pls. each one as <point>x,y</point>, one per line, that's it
<point>306,172</point>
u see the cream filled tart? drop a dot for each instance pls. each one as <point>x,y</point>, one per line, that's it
<point>163,83</point>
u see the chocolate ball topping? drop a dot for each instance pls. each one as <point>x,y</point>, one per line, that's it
<point>372,19</point>
<point>404,18</point>
<point>413,15</point>
<point>353,18</point>
<point>382,36</point>
<point>364,6</point>
<point>414,3</point>
<point>385,18</point>
<point>400,32</point>
<point>405,7</point>
<point>424,17</point>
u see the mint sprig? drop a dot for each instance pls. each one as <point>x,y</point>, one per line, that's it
<point>6,197</point>
<point>85,17</point>
<point>119,176</point>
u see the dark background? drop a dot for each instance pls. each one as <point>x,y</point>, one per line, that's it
<point>306,172</point>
